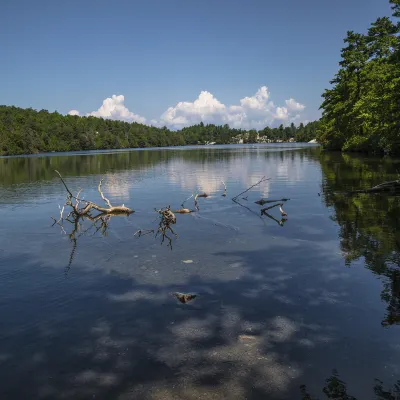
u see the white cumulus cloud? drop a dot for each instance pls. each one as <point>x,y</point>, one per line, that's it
<point>252,112</point>
<point>293,105</point>
<point>114,108</point>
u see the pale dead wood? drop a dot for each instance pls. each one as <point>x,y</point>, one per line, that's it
<point>89,205</point>
<point>183,211</point>
<point>102,195</point>
<point>225,192</point>
<point>281,210</point>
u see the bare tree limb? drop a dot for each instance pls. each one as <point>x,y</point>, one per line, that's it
<point>102,195</point>
<point>183,203</point>
<point>261,202</point>
<point>90,205</point>
<point>263,179</point>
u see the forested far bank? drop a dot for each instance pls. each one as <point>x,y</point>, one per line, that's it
<point>27,131</point>
<point>361,111</point>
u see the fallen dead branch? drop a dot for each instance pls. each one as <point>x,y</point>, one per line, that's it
<point>205,195</point>
<point>99,223</point>
<point>89,205</point>
<point>261,202</point>
<point>183,203</point>
<point>263,179</point>
<point>184,297</point>
<point>167,218</point>
<point>280,223</point>
<point>247,208</point>
<point>268,208</point>
<point>183,211</point>
<point>283,213</point>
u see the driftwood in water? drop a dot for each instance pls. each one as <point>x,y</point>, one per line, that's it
<point>183,211</point>
<point>391,186</point>
<point>280,223</point>
<point>183,203</point>
<point>263,179</point>
<point>261,202</point>
<point>167,218</point>
<point>184,297</point>
<point>99,223</point>
<point>263,210</point>
<point>89,205</point>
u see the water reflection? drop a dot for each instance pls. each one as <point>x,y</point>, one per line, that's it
<point>274,308</point>
<point>369,224</point>
<point>336,388</point>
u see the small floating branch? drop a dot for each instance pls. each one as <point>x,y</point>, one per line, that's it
<point>261,202</point>
<point>263,179</point>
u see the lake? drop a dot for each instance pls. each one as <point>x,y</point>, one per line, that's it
<point>88,309</point>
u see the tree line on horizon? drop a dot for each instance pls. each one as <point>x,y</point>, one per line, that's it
<point>28,131</point>
<point>361,111</point>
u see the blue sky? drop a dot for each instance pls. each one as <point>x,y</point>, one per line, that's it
<point>156,53</point>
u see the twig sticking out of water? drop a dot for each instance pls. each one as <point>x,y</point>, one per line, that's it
<point>247,208</point>
<point>263,179</point>
<point>225,192</point>
<point>183,203</point>
<point>167,218</point>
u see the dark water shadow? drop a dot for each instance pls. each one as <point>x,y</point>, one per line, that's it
<point>257,337</point>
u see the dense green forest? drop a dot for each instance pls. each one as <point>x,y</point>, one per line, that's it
<point>361,111</point>
<point>27,131</point>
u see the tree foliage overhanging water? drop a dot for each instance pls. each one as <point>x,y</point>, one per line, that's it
<point>361,112</point>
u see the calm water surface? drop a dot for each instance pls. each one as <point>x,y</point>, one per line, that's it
<point>90,313</point>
